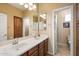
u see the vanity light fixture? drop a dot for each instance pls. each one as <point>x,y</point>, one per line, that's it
<point>26,6</point>
<point>29,6</point>
<point>43,16</point>
<point>34,6</point>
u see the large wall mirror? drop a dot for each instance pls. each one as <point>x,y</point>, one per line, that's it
<point>42,21</point>
<point>35,22</point>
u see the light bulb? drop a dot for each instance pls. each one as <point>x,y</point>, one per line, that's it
<point>26,6</point>
<point>40,15</point>
<point>34,6</point>
<point>30,8</point>
<point>44,15</point>
<point>21,3</point>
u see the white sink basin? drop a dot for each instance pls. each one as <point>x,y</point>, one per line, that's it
<point>18,47</point>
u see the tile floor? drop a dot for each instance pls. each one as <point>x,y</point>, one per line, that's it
<point>63,51</point>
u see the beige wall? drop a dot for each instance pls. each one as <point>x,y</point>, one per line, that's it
<point>11,12</point>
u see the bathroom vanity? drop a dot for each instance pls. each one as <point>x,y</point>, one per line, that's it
<point>39,50</point>
<point>26,47</point>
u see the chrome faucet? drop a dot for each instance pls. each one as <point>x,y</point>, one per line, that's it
<point>15,42</point>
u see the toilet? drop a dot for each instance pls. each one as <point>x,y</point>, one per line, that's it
<point>68,41</point>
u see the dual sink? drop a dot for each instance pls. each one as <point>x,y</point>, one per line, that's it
<point>18,48</point>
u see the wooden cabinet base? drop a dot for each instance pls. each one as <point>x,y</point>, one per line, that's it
<point>77,30</point>
<point>39,50</point>
<point>46,47</point>
<point>33,51</point>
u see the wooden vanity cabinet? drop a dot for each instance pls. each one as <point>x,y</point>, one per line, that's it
<point>77,29</point>
<point>46,47</point>
<point>34,54</point>
<point>33,51</point>
<point>40,50</point>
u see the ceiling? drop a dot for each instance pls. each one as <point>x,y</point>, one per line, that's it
<point>17,5</point>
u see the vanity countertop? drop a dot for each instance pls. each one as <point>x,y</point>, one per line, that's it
<point>22,46</point>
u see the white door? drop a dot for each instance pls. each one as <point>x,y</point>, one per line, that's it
<point>55,33</point>
<point>3,26</point>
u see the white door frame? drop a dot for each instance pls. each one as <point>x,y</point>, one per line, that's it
<point>71,28</point>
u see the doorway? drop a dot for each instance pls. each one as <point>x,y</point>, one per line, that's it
<point>63,31</point>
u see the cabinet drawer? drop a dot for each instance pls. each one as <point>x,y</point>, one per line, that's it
<point>35,53</point>
<point>31,51</point>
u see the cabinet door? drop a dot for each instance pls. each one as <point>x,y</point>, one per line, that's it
<point>46,47</point>
<point>77,37</point>
<point>77,30</point>
<point>33,51</point>
<point>41,49</point>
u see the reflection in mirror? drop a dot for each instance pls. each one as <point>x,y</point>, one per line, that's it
<point>10,30</point>
<point>18,25</point>
<point>25,26</point>
<point>35,22</point>
<point>42,21</point>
